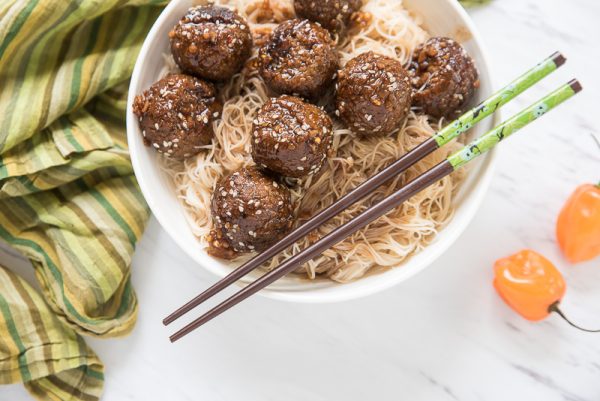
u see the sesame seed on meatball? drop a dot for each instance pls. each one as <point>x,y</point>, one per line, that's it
<point>211,42</point>
<point>250,211</point>
<point>373,94</point>
<point>176,114</point>
<point>331,14</point>
<point>444,77</point>
<point>299,59</point>
<point>291,137</point>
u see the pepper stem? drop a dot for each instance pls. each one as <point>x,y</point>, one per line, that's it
<point>554,308</point>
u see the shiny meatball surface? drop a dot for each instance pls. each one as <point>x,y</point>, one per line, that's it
<point>444,77</point>
<point>291,137</point>
<point>333,15</point>
<point>373,94</point>
<point>250,211</point>
<point>176,114</point>
<point>211,42</point>
<point>299,59</point>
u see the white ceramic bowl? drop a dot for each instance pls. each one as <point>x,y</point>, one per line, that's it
<point>441,18</point>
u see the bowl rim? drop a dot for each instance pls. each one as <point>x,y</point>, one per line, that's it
<point>341,292</point>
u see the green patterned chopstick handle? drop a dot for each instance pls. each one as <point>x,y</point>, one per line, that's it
<point>499,99</point>
<point>515,123</point>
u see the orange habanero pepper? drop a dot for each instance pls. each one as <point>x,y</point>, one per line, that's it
<point>531,285</point>
<point>578,225</point>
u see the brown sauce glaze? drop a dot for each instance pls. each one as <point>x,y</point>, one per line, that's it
<point>176,115</point>
<point>211,42</point>
<point>444,77</point>
<point>373,94</point>
<point>251,211</point>
<point>299,59</point>
<point>291,137</point>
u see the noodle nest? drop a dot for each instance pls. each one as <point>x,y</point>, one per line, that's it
<point>388,29</point>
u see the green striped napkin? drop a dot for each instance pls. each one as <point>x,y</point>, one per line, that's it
<point>474,3</point>
<point>68,197</point>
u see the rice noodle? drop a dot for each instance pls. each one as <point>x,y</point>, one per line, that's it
<point>385,243</point>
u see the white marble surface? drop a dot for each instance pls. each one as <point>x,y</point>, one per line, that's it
<point>443,335</point>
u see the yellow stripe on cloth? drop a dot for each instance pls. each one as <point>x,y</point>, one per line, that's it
<point>68,197</point>
<point>36,348</point>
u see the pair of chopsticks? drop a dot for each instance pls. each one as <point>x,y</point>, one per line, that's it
<point>446,167</point>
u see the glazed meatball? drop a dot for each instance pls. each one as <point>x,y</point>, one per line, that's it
<point>176,115</point>
<point>331,14</point>
<point>444,77</point>
<point>299,59</point>
<point>211,42</point>
<point>291,137</point>
<point>250,211</point>
<point>373,94</point>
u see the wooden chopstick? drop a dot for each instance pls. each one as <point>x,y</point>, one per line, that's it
<point>448,166</point>
<point>447,134</point>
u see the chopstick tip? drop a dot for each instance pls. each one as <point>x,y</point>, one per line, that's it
<point>558,58</point>
<point>575,85</point>
<point>179,335</point>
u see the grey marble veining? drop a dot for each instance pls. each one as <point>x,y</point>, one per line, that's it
<point>443,335</point>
